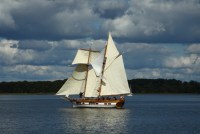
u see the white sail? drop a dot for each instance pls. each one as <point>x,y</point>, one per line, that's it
<point>116,80</point>
<point>97,63</point>
<point>93,84</point>
<point>75,84</point>
<point>111,51</point>
<point>82,56</point>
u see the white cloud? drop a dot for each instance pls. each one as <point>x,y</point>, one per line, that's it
<point>6,19</point>
<point>32,72</point>
<point>164,73</point>
<point>178,62</point>
<point>193,48</point>
<point>6,52</point>
<point>12,55</point>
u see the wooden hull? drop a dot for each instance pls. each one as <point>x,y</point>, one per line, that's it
<point>97,103</point>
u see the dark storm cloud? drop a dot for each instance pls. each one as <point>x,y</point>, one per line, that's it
<point>110,9</point>
<point>129,21</point>
<point>36,19</point>
<point>158,21</point>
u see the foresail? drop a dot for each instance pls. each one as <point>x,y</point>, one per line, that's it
<point>75,83</point>
<point>115,79</point>
<point>82,56</point>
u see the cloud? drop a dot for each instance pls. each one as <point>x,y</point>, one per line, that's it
<point>143,60</point>
<point>193,49</point>
<point>178,62</point>
<point>39,45</point>
<point>159,38</point>
<point>40,60</point>
<point>157,21</point>
<point>23,60</point>
<point>34,73</point>
<point>6,52</point>
<point>16,52</point>
<point>165,73</point>
<point>129,21</point>
<point>34,52</point>
<point>142,55</point>
<point>7,21</point>
<point>110,9</point>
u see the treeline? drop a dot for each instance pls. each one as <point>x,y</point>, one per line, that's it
<point>31,87</point>
<point>163,86</point>
<point>137,86</point>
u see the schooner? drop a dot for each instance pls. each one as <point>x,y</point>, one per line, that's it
<point>99,78</point>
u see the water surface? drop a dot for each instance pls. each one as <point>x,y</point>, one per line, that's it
<point>142,114</point>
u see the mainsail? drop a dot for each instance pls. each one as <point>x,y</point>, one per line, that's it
<point>92,67</point>
<point>114,72</point>
<point>115,79</point>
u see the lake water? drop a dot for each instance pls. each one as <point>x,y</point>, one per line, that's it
<point>142,114</point>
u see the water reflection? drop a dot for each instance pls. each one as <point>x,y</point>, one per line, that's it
<point>85,120</point>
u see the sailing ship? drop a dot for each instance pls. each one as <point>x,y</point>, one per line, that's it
<point>99,78</point>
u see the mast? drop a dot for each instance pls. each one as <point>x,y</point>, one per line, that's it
<point>103,67</point>
<point>87,72</point>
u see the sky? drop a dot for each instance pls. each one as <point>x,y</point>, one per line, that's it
<point>158,38</point>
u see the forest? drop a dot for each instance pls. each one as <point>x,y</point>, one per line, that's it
<point>136,85</point>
